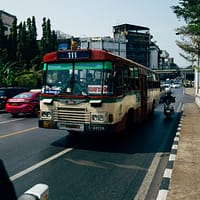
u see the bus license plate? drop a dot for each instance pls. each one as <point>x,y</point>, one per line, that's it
<point>46,124</point>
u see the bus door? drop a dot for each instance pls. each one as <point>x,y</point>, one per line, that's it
<point>143,84</point>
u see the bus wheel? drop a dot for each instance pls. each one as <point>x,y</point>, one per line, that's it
<point>152,110</point>
<point>129,122</point>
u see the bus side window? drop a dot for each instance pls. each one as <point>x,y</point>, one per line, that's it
<point>109,82</point>
<point>119,83</point>
<point>136,84</point>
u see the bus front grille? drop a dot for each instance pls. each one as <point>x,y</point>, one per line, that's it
<point>71,115</point>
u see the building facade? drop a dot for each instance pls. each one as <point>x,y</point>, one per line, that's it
<point>115,45</point>
<point>7,20</point>
<point>129,41</point>
<point>138,40</point>
<point>154,56</point>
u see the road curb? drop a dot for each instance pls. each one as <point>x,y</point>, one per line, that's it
<point>166,180</point>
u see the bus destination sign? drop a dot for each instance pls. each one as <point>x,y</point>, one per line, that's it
<point>73,54</point>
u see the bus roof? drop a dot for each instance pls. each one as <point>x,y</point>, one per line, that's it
<point>85,54</point>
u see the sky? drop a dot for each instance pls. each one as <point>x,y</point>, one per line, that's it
<point>94,18</point>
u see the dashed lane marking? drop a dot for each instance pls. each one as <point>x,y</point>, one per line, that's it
<point>39,164</point>
<point>17,132</point>
<point>12,120</point>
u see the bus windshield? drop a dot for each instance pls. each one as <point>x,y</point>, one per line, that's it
<point>89,78</point>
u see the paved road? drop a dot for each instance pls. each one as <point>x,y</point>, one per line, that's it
<point>93,168</point>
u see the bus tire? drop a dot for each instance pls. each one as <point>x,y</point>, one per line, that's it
<point>129,121</point>
<point>152,110</point>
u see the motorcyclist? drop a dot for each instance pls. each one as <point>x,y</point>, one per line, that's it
<point>168,98</point>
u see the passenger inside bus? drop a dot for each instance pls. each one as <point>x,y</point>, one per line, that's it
<point>89,79</point>
<point>64,80</point>
<point>69,83</point>
<point>65,77</point>
<point>51,78</point>
<point>76,85</point>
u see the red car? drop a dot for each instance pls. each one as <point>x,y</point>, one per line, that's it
<point>25,103</point>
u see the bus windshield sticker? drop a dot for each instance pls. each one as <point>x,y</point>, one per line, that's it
<point>97,89</point>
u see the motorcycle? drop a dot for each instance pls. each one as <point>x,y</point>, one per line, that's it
<point>168,110</point>
<point>167,101</point>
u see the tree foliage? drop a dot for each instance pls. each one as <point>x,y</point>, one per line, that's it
<point>48,41</point>
<point>21,53</point>
<point>189,11</point>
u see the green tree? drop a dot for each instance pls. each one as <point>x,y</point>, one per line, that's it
<point>189,10</point>
<point>3,51</point>
<point>12,41</point>
<point>48,41</point>
<point>2,35</point>
<point>21,42</point>
<point>21,53</point>
<point>3,42</point>
<point>32,45</point>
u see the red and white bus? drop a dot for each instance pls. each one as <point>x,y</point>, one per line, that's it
<point>88,90</point>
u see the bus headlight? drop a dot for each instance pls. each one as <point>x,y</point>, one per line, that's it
<point>94,117</point>
<point>101,118</point>
<point>98,117</point>
<point>46,115</point>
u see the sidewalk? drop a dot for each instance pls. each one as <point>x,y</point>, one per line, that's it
<point>185,180</point>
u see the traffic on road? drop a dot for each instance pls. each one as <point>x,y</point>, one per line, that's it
<point>98,166</point>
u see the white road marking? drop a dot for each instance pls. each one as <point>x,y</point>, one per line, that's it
<point>162,195</point>
<point>175,146</point>
<point>3,113</point>
<point>178,133</point>
<point>142,192</point>
<point>176,139</point>
<point>12,120</point>
<point>37,165</point>
<point>167,173</point>
<point>172,157</point>
<point>180,105</point>
<point>17,132</point>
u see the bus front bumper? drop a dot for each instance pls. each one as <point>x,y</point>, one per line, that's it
<point>76,127</point>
